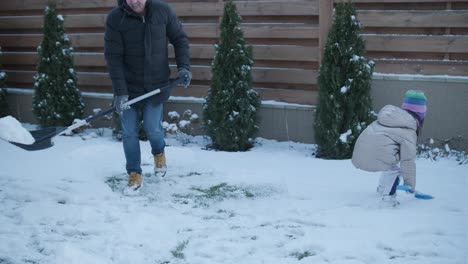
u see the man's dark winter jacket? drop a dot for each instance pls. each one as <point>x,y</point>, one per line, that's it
<point>136,48</point>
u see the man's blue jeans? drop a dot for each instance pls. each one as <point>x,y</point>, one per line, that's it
<point>152,117</point>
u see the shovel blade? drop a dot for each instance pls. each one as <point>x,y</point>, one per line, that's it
<point>42,139</point>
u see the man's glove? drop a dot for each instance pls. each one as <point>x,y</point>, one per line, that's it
<point>185,76</point>
<point>119,102</point>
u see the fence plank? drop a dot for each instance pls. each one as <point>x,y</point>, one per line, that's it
<point>194,31</point>
<point>36,22</point>
<point>279,95</point>
<point>407,18</point>
<point>20,40</point>
<point>401,67</point>
<point>245,8</point>
<point>425,67</point>
<point>409,43</point>
<point>61,4</point>
<point>400,1</point>
<point>200,51</point>
<point>200,30</point>
<point>416,43</point>
<point>260,75</point>
<point>100,83</point>
<point>325,22</point>
<point>260,30</point>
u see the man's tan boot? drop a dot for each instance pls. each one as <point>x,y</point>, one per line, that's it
<point>134,181</point>
<point>160,164</point>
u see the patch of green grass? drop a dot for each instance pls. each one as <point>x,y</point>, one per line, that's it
<point>222,191</point>
<point>301,255</point>
<point>5,261</point>
<point>183,196</point>
<point>214,191</point>
<point>248,194</point>
<point>193,173</point>
<point>178,252</point>
<point>29,261</point>
<point>204,197</point>
<point>229,214</point>
<point>219,192</point>
<point>115,182</point>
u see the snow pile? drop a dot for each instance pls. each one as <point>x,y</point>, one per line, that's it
<point>12,130</point>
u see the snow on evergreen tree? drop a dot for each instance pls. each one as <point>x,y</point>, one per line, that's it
<point>4,110</point>
<point>230,109</point>
<point>345,105</point>
<point>57,101</point>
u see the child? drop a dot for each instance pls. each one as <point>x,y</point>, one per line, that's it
<point>389,145</point>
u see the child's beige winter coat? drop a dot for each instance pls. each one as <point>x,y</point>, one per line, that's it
<point>389,140</point>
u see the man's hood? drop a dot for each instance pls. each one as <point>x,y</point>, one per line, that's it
<point>125,7</point>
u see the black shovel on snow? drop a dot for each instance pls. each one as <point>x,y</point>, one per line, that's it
<point>43,137</point>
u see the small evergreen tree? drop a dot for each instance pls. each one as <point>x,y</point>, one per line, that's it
<point>4,110</point>
<point>57,101</point>
<point>345,106</point>
<point>230,109</point>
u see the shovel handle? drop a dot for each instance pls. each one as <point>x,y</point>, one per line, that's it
<point>154,92</point>
<point>130,102</point>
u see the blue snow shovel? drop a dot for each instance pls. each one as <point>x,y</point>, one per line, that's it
<point>43,137</point>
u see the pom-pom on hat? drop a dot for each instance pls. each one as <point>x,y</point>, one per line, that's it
<point>415,101</point>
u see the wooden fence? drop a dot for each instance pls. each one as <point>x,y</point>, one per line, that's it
<point>427,37</point>
<point>406,36</point>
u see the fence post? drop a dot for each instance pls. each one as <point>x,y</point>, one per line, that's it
<point>325,20</point>
<point>448,30</point>
<point>220,18</point>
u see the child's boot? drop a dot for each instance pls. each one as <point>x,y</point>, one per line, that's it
<point>389,201</point>
<point>160,167</point>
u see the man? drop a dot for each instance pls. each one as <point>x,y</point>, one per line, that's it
<point>137,59</point>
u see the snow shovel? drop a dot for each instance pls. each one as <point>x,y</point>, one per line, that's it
<point>43,137</point>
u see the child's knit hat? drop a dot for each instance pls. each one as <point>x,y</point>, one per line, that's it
<point>415,101</point>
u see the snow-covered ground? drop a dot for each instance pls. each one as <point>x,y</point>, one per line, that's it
<point>274,204</point>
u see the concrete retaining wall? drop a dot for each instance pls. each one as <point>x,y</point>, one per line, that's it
<point>447,115</point>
